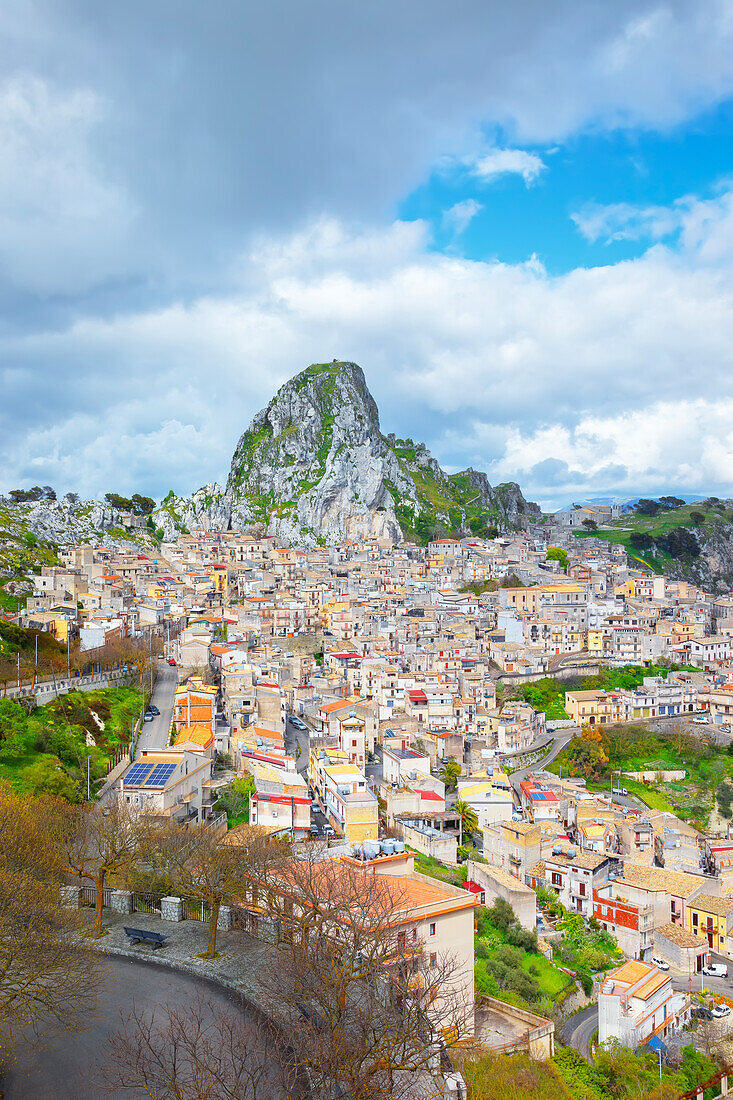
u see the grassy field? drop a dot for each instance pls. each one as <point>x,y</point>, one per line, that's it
<point>428,865</point>
<point>47,748</point>
<point>664,522</point>
<point>635,748</point>
<point>548,694</point>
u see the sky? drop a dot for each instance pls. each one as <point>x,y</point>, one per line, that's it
<point>517,218</point>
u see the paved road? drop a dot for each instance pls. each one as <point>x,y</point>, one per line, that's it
<point>64,1066</point>
<point>375,771</point>
<point>560,741</point>
<point>577,1031</point>
<point>297,739</point>
<point>154,735</point>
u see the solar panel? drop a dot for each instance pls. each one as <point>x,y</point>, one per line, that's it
<point>137,773</point>
<point>160,775</point>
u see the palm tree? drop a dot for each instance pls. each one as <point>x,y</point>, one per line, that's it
<point>449,773</point>
<point>468,816</point>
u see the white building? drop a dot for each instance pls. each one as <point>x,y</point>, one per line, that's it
<point>636,1002</point>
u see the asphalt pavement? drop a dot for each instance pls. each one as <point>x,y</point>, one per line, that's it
<point>154,735</point>
<point>577,1031</point>
<point>64,1065</point>
<point>558,741</point>
<point>297,739</point>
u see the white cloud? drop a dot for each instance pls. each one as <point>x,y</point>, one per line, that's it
<point>586,380</point>
<point>667,444</point>
<point>60,220</point>
<point>459,216</point>
<point>503,162</point>
<point>622,221</point>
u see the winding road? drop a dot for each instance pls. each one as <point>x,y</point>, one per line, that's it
<point>578,1030</point>
<point>62,1065</point>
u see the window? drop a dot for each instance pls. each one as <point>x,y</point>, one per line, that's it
<point>401,941</point>
<point>414,934</point>
<point>556,878</point>
<point>433,960</point>
<point>432,929</point>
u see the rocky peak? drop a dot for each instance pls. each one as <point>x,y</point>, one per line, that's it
<point>314,465</point>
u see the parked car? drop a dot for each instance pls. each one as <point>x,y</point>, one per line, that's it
<point>701,721</point>
<point>314,830</point>
<point>623,791</point>
<point>716,970</point>
<point>147,717</point>
<point>153,709</point>
<point>702,1013</point>
<point>171,662</point>
<point>719,1012</point>
<point>660,963</point>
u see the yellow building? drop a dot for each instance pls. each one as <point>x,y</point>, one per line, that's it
<point>711,918</point>
<point>592,707</point>
<point>351,807</point>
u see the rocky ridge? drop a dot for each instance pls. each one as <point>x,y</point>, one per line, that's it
<point>314,466</point>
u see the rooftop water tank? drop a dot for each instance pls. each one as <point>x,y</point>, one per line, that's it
<point>371,849</point>
<point>572,853</point>
<point>399,845</point>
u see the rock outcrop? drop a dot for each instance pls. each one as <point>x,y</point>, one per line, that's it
<point>314,467</point>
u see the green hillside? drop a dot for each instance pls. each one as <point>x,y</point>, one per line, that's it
<point>670,534</point>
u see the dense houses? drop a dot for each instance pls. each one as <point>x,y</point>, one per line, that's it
<point>394,662</point>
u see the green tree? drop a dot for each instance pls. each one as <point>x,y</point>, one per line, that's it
<point>556,553</point>
<point>698,518</point>
<point>14,735</point>
<point>467,814</point>
<point>47,776</point>
<point>590,525</point>
<point>449,773</point>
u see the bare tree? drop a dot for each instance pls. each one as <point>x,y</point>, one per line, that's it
<point>198,1052</point>
<point>368,1007</point>
<point>44,971</point>
<point>100,842</point>
<point>201,866</point>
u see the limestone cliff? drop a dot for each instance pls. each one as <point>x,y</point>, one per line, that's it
<point>314,466</point>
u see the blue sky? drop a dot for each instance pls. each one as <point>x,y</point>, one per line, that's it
<point>518,219</point>
<point>519,216</point>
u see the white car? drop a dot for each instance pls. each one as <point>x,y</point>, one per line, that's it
<point>660,963</point>
<point>716,970</point>
<point>719,1011</point>
<point>701,721</point>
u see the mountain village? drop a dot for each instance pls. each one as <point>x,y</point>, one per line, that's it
<point>369,692</point>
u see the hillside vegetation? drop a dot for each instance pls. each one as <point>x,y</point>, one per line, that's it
<point>658,536</point>
<point>45,749</point>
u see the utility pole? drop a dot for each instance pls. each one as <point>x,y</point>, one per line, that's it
<point>89,797</point>
<point>36,651</point>
<point>18,670</point>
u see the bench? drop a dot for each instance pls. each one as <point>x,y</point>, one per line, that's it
<point>141,935</point>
